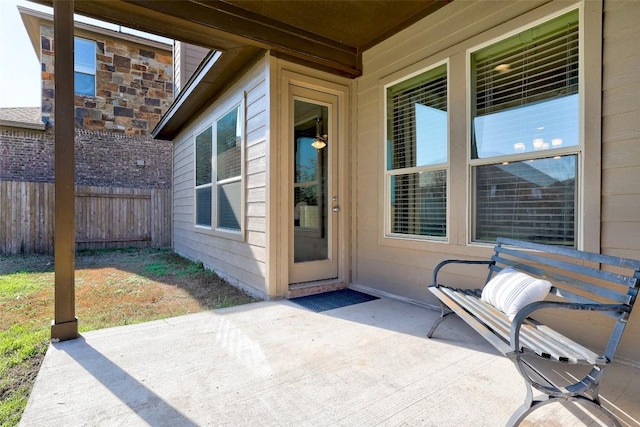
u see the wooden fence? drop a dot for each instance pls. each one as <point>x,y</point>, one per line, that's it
<point>106,217</point>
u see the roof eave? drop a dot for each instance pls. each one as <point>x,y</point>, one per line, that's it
<point>216,72</point>
<point>23,125</point>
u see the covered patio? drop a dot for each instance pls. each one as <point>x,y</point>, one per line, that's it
<point>277,363</point>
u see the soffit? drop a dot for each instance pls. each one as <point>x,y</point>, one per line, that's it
<point>332,34</point>
<point>328,35</point>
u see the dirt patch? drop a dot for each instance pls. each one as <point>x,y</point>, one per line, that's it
<point>112,288</point>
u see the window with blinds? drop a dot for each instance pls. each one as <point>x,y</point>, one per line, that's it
<point>417,155</point>
<point>84,66</point>
<point>525,143</point>
<point>531,200</point>
<point>229,169</point>
<point>203,178</point>
<point>218,173</point>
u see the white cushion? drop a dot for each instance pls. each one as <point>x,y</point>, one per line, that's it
<point>510,290</point>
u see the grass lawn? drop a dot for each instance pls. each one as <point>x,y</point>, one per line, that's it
<point>113,288</point>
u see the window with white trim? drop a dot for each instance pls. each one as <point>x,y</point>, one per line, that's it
<point>84,66</point>
<point>218,173</point>
<point>229,169</point>
<point>525,139</point>
<point>203,178</point>
<point>417,156</point>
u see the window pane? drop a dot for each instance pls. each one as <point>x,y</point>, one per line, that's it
<point>203,206</point>
<point>307,159</point>
<point>417,121</point>
<point>526,91</point>
<point>419,203</point>
<point>533,200</point>
<point>229,204</point>
<point>203,157</point>
<point>84,56</point>
<point>84,84</point>
<point>229,145</point>
<point>306,211</point>
<point>534,127</point>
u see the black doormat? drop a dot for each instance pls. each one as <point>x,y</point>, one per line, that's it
<point>333,299</point>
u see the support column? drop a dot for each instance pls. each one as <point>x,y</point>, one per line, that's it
<point>65,324</point>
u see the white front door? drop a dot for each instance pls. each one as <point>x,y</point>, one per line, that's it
<point>315,203</point>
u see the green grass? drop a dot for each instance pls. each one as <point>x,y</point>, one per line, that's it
<point>113,288</point>
<point>20,346</point>
<point>20,284</point>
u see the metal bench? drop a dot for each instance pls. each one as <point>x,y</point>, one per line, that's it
<point>580,281</point>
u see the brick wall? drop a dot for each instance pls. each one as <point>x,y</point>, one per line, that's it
<point>103,158</point>
<point>134,85</point>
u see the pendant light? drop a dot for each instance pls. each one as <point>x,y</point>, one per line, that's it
<point>320,141</point>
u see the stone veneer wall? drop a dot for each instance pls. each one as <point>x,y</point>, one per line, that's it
<point>103,158</point>
<point>134,85</point>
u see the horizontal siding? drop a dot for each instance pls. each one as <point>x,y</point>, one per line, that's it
<point>404,267</point>
<point>193,56</point>
<point>620,148</point>
<point>177,69</point>
<point>446,34</point>
<point>186,59</point>
<point>242,262</point>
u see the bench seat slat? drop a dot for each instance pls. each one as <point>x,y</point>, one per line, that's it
<point>580,280</point>
<point>479,327</point>
<point>619,297</point>
<point>569,252</point>
<point>579,349</point>
<point>529,337</point>
<point>538,258</point>
<point>541,340</point>
<point>498,323</point>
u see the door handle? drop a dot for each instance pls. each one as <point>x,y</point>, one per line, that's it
<point>336,208</point>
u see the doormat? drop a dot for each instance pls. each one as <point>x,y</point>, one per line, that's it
<point>334,299</point>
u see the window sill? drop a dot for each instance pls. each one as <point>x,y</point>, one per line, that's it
<point>228,234</point>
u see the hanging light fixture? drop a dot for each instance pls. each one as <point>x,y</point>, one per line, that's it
<point>320,141</point>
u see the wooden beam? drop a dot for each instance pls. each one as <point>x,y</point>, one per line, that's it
<point>249,28</point>
<point>65,324</point>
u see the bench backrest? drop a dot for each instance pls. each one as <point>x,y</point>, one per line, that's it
<point>580,277</point>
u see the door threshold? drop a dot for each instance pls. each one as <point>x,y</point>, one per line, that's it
<point>316,287</point>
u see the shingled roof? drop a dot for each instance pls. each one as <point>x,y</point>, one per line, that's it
<point>22,117</point>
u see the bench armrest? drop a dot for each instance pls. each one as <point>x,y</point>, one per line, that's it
<point>525,311</point>
<point>456,261</point>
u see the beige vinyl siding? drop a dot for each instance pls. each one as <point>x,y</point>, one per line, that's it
<point>620,230</point>
<point>404,267</point>
<point>241,261</point>
<point>186,59</point>
<point>620,131</point>
<point>177,68</point>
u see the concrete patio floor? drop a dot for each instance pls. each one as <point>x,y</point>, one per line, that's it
<point>278,364</point>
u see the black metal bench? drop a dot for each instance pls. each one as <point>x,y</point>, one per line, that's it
<point>580,281</point>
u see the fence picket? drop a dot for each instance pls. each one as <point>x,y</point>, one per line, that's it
<point>105,217</point>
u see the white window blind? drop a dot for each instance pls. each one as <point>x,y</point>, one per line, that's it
<point>84,66</point>
<point>532,200</point>
<point>417,153</point>
<point>229,169</point>
<point>203,178</point>
<point>526,100</point>
<point>526,91</point>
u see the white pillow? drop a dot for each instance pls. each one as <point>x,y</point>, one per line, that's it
<point>510,290</point>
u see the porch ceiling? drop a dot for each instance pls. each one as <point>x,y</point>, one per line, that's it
<point>328,34</point>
